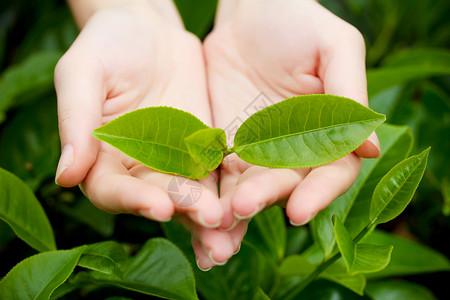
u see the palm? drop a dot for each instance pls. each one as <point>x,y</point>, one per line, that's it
<point>282,55</point>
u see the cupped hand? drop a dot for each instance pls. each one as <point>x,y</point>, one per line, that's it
<point>125,59</point>
<point>282,48</point>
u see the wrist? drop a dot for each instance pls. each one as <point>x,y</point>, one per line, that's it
<point>83,10</point>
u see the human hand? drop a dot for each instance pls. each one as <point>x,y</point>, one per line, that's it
<point>127,57</point>
<point>283,48</point>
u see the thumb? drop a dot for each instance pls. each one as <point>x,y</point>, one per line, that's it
<point>344,74</point>
<point>80,94</point>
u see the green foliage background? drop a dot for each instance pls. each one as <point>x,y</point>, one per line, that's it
<point>408,64</point>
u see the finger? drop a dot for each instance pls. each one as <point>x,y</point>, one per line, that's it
<point>80,93</point>
<point>320,187</point>
<point>263,187</point>
<point>343,73</point>
<point>198,199</point>
<point>110,187</point>
<point>203,262</point>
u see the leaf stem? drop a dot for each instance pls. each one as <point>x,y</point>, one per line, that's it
<point>228,151</point>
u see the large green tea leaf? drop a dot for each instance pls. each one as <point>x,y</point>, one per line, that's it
<point>361,257</point>
<point>38,276</point>
<point>353,206</point>
<point>20,209</point>
<point>305,131</point>
<point>408,257</point>
<point>155,137</point>
<point>107,257</point>
<point>395,190</point>
<point>207,146</point>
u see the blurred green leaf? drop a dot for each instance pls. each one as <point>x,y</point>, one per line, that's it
<point>38,276</point>
<point>84,211</point>
<point>295,265</point>
<point>398,289</point>
<point>353,206</point>
<point>361,257</point>
<point>267,232</point>
<point>238,279</point>
<point>260,295</point>
<point>407,66</point>
<point>29,145</point>
<point>106,257</point>
<point>28,79</point>
<point>20,209</point>
<point>297,239</point>
<point>300,131</point>
<point>446,194</point>
<point>198,16</point>
<point>396,189</point>
<point>155,137</point>
<point>408,257</point>
<point>206,146</point>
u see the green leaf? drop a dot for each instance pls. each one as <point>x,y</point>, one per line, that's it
<point>353,207</point>
<point>160,269</point>
<point>267,232</point>
<point>20,209</point>
<point>198,18</point>
<point>407,66</point>
<point>408,257</point>
<point>29,144</point>
<point>298,265</point>
<point>260,295</point>
<point>31,77</point>
<point>155,137</point>
<point>395,190</point>
<point>362,257</point>
<point>398,289</point>
<point>206,146</point>
<point>446,196</point>
<point>238,279</point>
<point>305,131</point>
<point>107,257</point>
<point>38,276</point>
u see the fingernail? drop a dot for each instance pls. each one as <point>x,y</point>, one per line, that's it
<point>204,270</point>
<point>235,222</point>
<point>199,218</point>
<point>149,214</point>
<point>257,209</point>
<point>310,217</point>
<point>237,250</point>
<point>374,140</point>
<point>209,254</point>
<point>65,161</point>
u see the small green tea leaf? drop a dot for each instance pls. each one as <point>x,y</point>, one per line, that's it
<point>107,257</point>
<point>20,209</point>
<point>371,258</point>
<point>362,257</point>
<point>36,277</point>
<point>298,265</point>
<point>206,146</point>
<point>344,242</point>
<point>305,131</point>
<point>395,190</point>
<point>155,137</point>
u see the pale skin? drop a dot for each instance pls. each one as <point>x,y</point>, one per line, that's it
<point>129,56</point>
